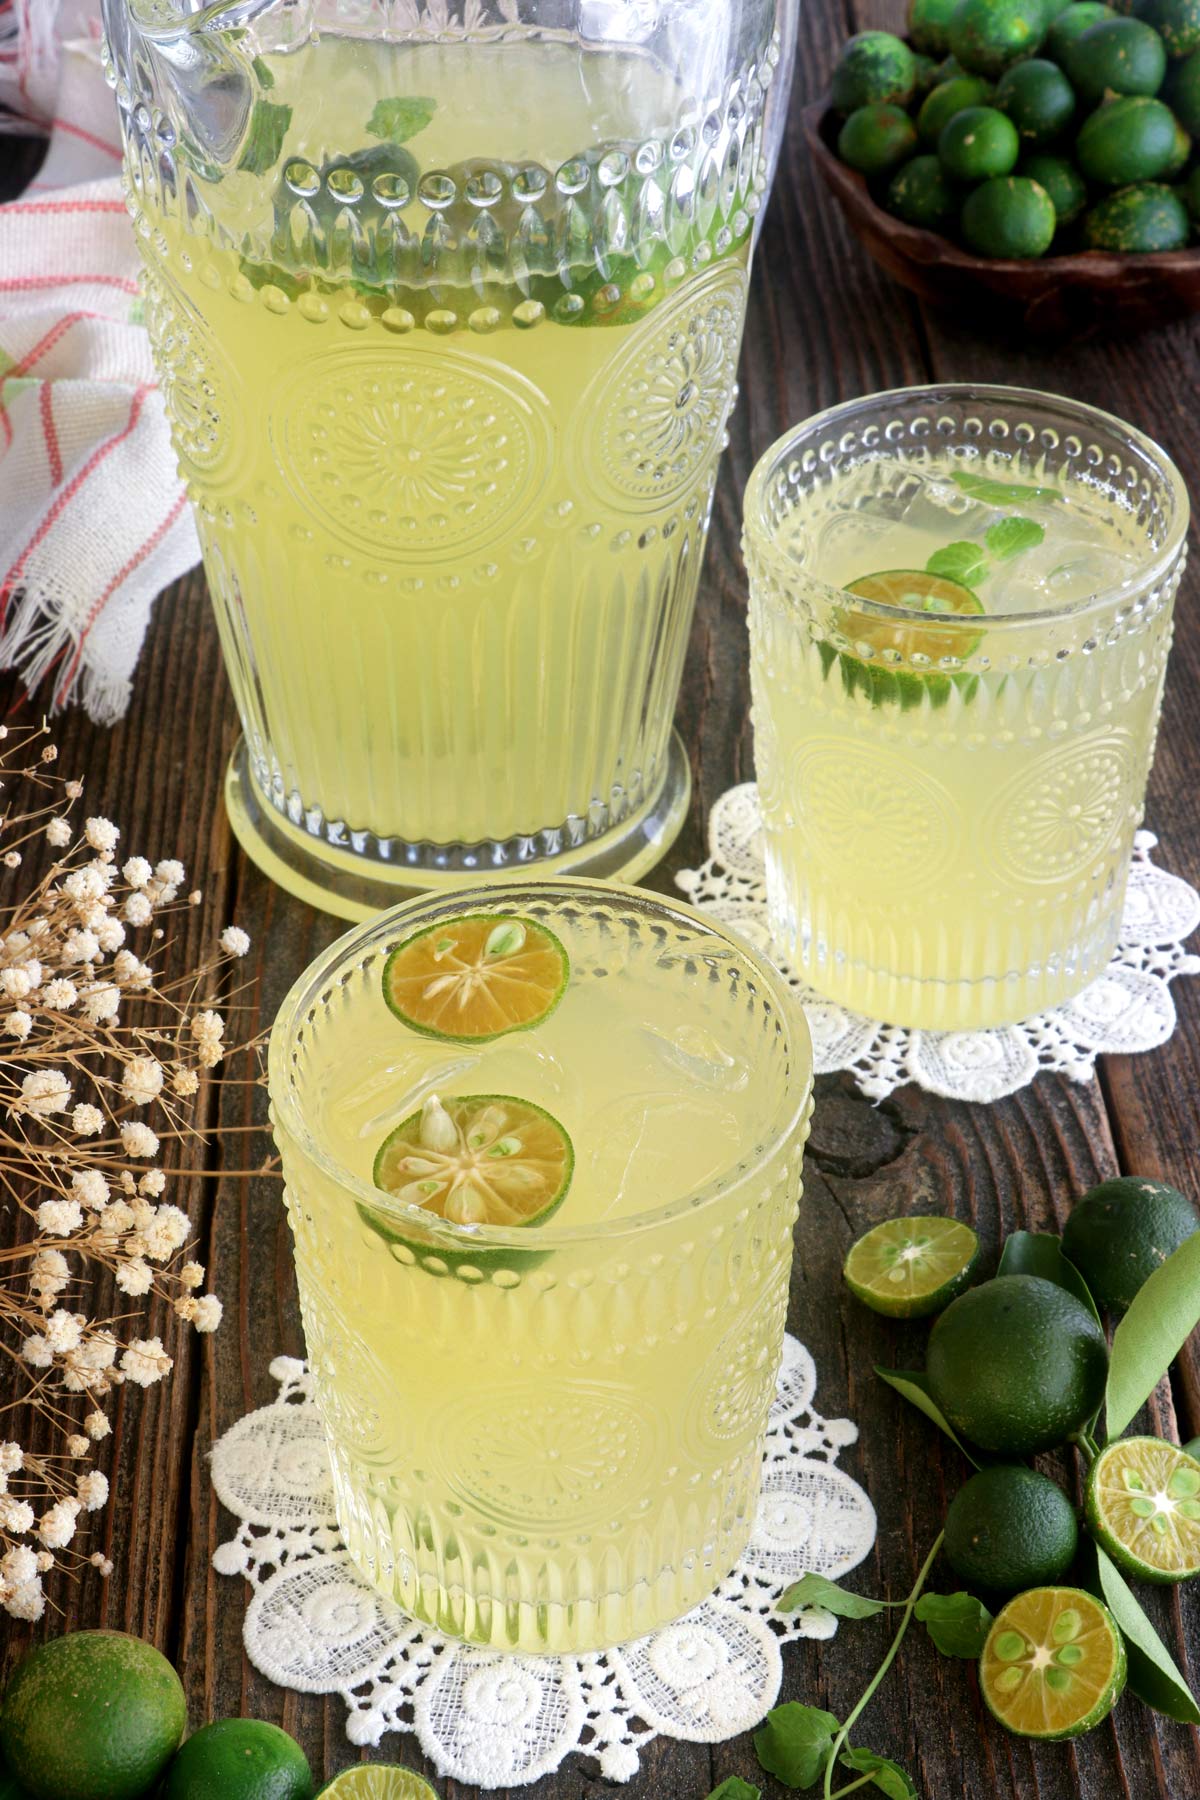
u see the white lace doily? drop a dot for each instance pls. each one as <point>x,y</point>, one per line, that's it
<point>497,1720</point>
<point>1128,1009</point>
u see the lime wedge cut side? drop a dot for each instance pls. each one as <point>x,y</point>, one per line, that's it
<point>378,1781</point>
<point>910,1268</point>
<point>1053,1664</point>
<point>478,1159</point>
<point>1143,1505</point>
<point>926,597</point>
<point>476,977</point>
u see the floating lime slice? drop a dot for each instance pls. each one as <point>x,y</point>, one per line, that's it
<point>909,1268</point>
<point>378,1781</point>
<point>927,597</point>
<point>478,1159</point>
<point>476,977</point>
<point>1143,1505</point>
<point>1053,1664</point>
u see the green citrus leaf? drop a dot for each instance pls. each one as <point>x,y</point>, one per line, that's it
<point>1008,537</point>
<point>816,1590</point>
<point>1041,1253</point>
<point>1153,1676</point>
<point>794,1743</point>
<point>264,140</point>
<point>889,1777</point>
<point>961,561</point>
<point>957,1623</point>
<point>1000,493</point>
<point>736,1789</point>
<point>912,1384</point>
<point>398,120</point>
<point>1165,1312</point>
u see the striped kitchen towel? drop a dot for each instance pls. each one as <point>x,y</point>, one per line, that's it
<point>93,517</point>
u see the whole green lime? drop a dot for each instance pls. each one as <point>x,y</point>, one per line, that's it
<point>1038,99</point>
<point>1183,91</point>
<point>875,65</point>
<point>948,98</point>
<point>929,25</point>
<point>1061,180</point>
<point>1124,1229</point>
<point>988,35</point>
<point>978,142</point>
<point>876,139</point>
<point>1052,8</point>
<point>1126,140</point>
<point>1071,22</point>
<point>95,1715</point>
<point>1008,216</point>
<point>1117,56</point>
<point>1010,1528</point>
<point>1181,153</point>
<point>1017,1364</point>
<point>920,194</point>
<point>1178,22</point>
<point>239,1759</point>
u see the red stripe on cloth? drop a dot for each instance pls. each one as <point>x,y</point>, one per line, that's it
<point>88,137</point>
<point>67,494</point>
<point>43,345</point>
<point>50,432</point>
<point>97,606</point>
<point>61,206</point>
<point>28,283</point>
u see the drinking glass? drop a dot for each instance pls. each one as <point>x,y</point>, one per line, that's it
<point>549,1437</point>
<point>949,806</point>
<point>446,299</point>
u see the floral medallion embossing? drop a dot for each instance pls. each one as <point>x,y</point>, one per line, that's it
<point>735,1387</point>
<point>1066,814</point>
<point>653,421</point>
<point>860,808</point>
<point>421,452</point>
<point>566,1458</point>
<point>198,386</point>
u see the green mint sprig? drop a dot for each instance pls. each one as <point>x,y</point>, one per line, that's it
<point>398,120</point>
<point>1000,493</point>
<point>969,562</point>
<point>268,127</point>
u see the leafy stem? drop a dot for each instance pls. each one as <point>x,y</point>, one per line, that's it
<point>1086,1443</point>
<point>851,1786</point>
<point>842,1738</point>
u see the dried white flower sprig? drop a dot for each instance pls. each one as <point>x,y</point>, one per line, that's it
<point>101,1058</point>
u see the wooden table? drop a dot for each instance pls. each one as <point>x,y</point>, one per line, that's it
<point>823,326</point>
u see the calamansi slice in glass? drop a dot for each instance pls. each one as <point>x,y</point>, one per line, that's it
<point>1053,1664</point>
<point>476,977</point>
<point>478,1159</point>
<point>910,1268</point>
<point>928,598</point>
<point>378,1781</point>
<point>1143,1505</point>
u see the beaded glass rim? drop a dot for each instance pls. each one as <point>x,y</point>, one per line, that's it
<point>348,957</point>
<point>834,434</point>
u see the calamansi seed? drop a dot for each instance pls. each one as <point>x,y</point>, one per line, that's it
<point>1069,1655</point>
<point>1010,1645</point>
<point>1142,1508</point>
<point>1133,1480</point>
<point>506,939</point>
<point>1009,1680</point>
<point>1183,1484</point>
<point>1058,1679</point>
<point>1068,1625</point>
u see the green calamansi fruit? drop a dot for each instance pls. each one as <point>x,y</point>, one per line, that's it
<point>989,35</point>
<point>1181,155</point>
<point>1139,219</point>
<point>1008,216</point>
<point>1038,99</point>
<point>1178,23</point>
<point>1118,56</point>
<point>978,142</point>
<point>1121,1231</point>
<point>948,98</point>
<point>1071,22</point>
<point>1054,1664</point>
<point>1126,140</point>
<point>1017,1364</point>
<point>873,66</point>
<point>1143,1505</point>
<point>1183,91</point>
<point>1061,180</point>
<point>239,1759</point>
<point>920,194</point>
<point>876,139</point>
<point>1052,8</point>
<point>1010,1528</point>
<point>929,25</point>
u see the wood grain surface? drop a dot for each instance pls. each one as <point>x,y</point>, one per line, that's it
<point>824,325</point>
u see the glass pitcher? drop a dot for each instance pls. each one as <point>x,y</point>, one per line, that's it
<point>446,298</point>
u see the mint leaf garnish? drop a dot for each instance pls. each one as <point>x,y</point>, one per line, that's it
<point>957,1623</point>
<point>794,1742</point>
<point>398,120</point>
<point>1008,537</point>
<point>889,1777</point>
<point>264,140</point>
<point>999,493</point>
<point>816,1590</point>
<point>960,561</point>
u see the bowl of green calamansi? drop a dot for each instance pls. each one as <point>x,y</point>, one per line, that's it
<point>1036,156</point>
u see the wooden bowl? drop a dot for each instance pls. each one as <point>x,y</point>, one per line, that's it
<point>1059,296</point>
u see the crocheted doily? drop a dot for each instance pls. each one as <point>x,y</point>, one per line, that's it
<point>1128,1009</point>
<point>497,1720</point>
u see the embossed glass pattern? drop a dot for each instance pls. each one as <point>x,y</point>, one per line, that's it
<point>949,823</point>
<point>549,1438</point>
<point>446,298</point>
